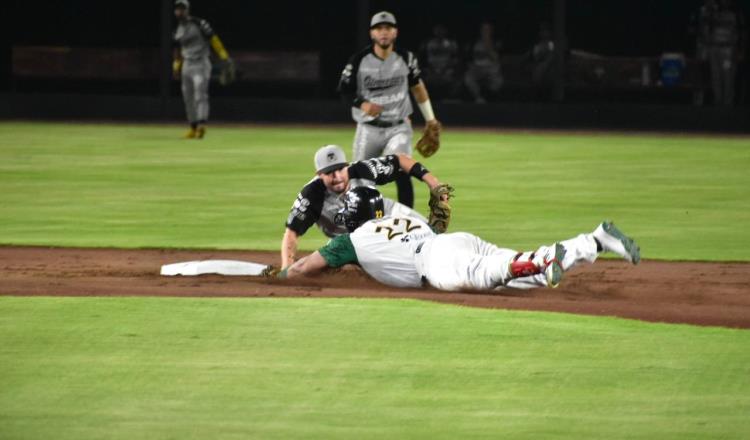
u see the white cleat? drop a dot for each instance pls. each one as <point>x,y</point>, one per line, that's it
<point>613,240</point>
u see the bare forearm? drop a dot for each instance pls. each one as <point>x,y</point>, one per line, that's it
<point>308,265</point>
<point>288,248</point>
<point>407,163</point>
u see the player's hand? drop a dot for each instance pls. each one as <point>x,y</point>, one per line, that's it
<point>371,109</point>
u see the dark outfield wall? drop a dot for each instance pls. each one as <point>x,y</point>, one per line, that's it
<point>646,117</point>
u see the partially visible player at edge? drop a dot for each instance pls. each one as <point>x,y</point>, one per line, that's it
<point>376,81</point>
<point>401,251</point>
<point>321,198</point>
<point>192,65</point>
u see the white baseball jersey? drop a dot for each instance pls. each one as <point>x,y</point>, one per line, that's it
<point>405,252</point>
<point>384,248</point>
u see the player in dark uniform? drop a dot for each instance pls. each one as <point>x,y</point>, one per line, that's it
<point>192,64</point>
<point>320,199</point>
<point>376,81</point>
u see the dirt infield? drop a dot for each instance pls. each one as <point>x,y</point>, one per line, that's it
<point>693,293</point>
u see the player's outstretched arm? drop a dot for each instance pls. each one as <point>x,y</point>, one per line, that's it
<point>309,265</point>
<point>288,248</point>
<point>415,169</point>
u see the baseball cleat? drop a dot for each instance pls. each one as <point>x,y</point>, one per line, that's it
<point>613,240</point>
<point>553,270</point>
<point>190,134</point>
<point>200,132</point>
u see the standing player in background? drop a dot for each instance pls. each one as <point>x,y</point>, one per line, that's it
<point>726,40</point>
<point>376,81</point>
<point>193,66</point>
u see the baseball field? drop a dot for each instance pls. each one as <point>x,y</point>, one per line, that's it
<point>95,344</point>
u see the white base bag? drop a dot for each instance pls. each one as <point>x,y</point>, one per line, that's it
<point>220,267</point>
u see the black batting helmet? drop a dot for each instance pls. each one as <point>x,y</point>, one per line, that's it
<point>361,204</point>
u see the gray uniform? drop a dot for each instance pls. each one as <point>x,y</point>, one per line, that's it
<point>193,36</point>
<point>725,26</point>
<point>315,204</point>
<point>385,82</point>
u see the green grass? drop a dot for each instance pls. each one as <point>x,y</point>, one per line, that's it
<point>142,186</point>
<point>80,368</point>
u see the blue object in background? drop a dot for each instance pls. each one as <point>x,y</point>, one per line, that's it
<point>671,66</point>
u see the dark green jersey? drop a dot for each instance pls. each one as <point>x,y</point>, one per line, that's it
<point>339,251</point>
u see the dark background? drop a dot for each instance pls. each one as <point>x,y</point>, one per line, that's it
<point>335,29</point>
<point>632,27</point>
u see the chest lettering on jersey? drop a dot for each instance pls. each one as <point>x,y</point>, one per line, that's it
<point>382,83</point>
<point>393,232</point>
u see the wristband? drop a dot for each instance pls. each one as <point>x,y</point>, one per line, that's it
<point>418,171</point>
<point>426,109</point>
<point>282,273</point>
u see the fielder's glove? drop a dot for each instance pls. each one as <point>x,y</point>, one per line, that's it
<point>270,271</point>
<point>429,143</point>
<point>228,72</point>
<point>440,209</point>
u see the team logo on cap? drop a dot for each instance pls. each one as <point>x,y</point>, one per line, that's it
<point>331,156</point>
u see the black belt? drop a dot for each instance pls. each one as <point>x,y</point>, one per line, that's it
<point>384,124</point>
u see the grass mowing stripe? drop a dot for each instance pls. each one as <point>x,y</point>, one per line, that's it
<point>292,368</point>
<point>141,186</point>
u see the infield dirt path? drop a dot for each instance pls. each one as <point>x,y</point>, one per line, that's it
<point>693,293</point>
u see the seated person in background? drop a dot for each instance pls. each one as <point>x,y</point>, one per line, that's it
<point>320,199</point>
<point>441,63</point>
<point>542,56</point>
<point>484,72</point>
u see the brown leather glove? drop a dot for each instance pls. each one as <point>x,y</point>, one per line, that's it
<point>429,143</point>
<point>440,209</point>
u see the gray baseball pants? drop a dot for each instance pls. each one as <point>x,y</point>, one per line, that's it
<point>196,75</point>
<point>371,141</point>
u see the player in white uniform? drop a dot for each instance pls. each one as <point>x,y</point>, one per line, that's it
<point>404,252</point>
